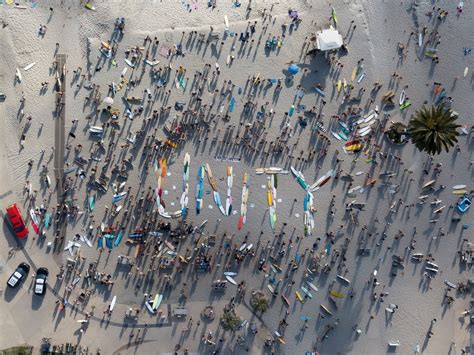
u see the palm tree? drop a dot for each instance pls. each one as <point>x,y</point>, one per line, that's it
<point>230,320</point>
<point>259,301</point>
<point>432,129</point>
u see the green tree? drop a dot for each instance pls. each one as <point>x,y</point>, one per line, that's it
<point>230,320</point>
<point>259,301</point>
<point>432,129</point>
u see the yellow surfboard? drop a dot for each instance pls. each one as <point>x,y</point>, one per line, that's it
<point>354,73</point>
<point>298,296</point>
<point>339,85</point>
<point>336,294</point>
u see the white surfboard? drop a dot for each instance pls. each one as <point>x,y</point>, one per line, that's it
<point>112,305</point>
<point>459,187</point>
<point>466,70</point>
<point>231,279</point>
<point>96,129</point>
<point>18,75</point>
<point>129,63</point>
<point>402,97</point>
<point>29,66</point>
<point>226,22</point>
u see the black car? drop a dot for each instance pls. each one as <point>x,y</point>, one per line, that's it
<point>18,275</point>
<point>41,280</point>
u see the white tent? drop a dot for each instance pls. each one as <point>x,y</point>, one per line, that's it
<point>328,39</point>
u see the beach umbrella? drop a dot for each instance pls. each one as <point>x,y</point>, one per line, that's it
<point>108,101</point>
<point>293,69</point>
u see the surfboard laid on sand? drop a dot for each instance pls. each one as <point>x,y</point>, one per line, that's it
<point>112,304</point>
<point>29,66</point>
<point>231,279</point>
<point>18,75</point>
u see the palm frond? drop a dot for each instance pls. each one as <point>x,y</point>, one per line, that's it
<point>433,129</point>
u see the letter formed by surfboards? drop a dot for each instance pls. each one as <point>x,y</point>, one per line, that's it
<point>184,196</point>
<point>271,199</point>
<point>230,181</point>
<point>160,173</point>
<point>213,183</point>
<point>308,201</point>
<point>243,205</point>
<point>200,189</point>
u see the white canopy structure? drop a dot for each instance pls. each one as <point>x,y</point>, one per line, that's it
<point>328,39</point>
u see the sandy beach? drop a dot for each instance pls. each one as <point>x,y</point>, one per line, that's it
<point>182,83</point>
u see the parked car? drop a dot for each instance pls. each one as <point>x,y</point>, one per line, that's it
<point>18,275</point>
<point>2,96</point>
<point>19,227</point>
<point>41,280</point>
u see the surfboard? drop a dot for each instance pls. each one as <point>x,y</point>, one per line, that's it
<point>232,103</point>
<point>18,75</point>
<point>354,73</point>
<point>325,309</point>
<point>298,296</point>
<point>343,279</point>
<point>405,105</point>
<point>230,273</point>
<point>339,85</point>
<point>361,77</point>
<point>459,192</point>
<point>285,300</point>
<point>47,220</point>
<point>336,294</point>
<point>306,291</point>
<point>428,184</point>
<point>312,286</point>
<point>402,97</point>
<point>96,130</point>
<point>466,70</point>
<point>336,135</point>
<point>459,187</point>
<point>119,238</point>
<point>320,92</point>
<point>129,63</point>
<point>112,304</point>
<point>34,221</point>
<point>29,66</point>
<point>91,203</point>
<point>231,279</point>
<point>226,22</point>
<point>271,289</point>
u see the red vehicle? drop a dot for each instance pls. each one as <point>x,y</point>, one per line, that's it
<point>17,222</point>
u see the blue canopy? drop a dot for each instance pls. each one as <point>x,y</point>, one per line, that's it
<point>293,69</point>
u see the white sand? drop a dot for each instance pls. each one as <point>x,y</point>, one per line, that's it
<point>380,26</point>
